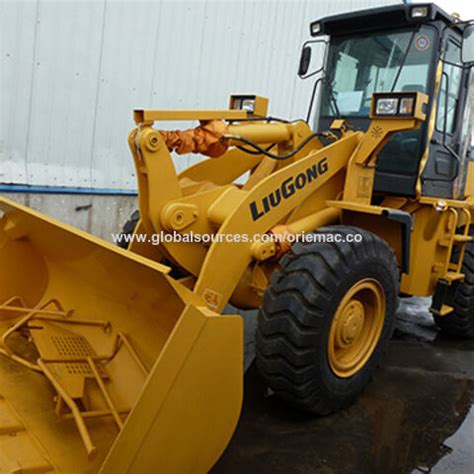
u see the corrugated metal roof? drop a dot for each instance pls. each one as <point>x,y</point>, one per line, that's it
<point>72,72</point>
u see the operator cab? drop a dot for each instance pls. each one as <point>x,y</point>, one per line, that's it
<point>398,49</point>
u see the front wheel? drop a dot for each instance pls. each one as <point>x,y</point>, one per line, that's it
<point>327,318</point>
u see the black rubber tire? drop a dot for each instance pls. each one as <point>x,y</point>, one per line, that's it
<point>295,318</point>
<point>460,323</point>
<point>128,228</point>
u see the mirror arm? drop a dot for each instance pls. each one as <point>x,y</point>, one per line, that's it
<point>441,49</point>
<point>460,66</point>
<point>313,95</point>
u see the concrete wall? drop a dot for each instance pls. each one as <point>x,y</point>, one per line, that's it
<point>98,215</point>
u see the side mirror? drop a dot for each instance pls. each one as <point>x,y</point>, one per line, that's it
<point>467,52</point>
<point>305,61</point>
<point>312,58</point>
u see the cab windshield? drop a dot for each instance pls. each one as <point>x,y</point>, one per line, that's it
<point>358,66</point>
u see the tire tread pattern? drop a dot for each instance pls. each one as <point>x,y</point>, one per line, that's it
<point>294,317</point>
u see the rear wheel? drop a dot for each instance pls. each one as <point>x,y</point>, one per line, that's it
<point>326,319</point>
<point>460,323</point>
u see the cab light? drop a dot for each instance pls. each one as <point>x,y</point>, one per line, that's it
<point>419,12</point>
<point>315,28</point>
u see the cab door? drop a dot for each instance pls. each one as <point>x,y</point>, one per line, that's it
<point>446,163</point>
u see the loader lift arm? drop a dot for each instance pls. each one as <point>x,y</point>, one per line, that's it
<point>247,211</point>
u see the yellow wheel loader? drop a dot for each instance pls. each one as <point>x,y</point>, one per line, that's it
<point>120,360</point>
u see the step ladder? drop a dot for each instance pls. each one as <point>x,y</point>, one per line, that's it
<point>451,273</point>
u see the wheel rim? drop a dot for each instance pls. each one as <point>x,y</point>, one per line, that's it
<point>356,327</point>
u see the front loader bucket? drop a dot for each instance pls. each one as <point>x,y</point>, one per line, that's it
<point>107,363</point>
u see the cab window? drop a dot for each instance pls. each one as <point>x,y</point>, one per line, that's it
<point>450,85</point>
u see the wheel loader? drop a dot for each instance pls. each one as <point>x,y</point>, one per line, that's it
<point>121,360</point>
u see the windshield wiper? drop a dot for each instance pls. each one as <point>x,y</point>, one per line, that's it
<point>404,59</point>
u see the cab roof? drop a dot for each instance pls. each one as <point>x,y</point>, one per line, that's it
<point>391,16</point>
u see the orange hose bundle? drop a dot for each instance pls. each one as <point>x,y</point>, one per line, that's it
<point>283,245</point>
<point>205,139</point>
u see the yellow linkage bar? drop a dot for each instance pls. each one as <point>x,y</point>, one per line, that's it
<point>150,116</point>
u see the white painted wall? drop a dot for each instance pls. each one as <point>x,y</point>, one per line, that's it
<point>72,71</point>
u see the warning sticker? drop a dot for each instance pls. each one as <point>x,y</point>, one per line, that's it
<point>212,298</point>
<point>422,42</point>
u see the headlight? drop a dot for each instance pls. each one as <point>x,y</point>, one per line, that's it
<point>419,12</point>
<point>386,106</point>
<point>398,104</point>
<point>407,105</point>
<point>246,103</point>
<point>315,28</point>
<point>254,105</point>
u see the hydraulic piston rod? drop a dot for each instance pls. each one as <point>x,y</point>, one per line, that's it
<point>261,132</point>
